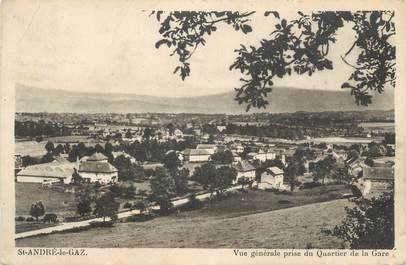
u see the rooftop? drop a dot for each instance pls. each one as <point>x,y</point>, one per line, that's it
<point>53,169</point>
<point>244,166</point>
<point>276,171</point>
<point>96,167</point>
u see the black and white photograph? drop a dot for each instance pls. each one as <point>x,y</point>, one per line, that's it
<point>204,129</point>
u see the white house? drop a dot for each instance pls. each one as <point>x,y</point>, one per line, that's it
<point>210,148</point>
<point>271,178</point>
<point>97,168</point>
<point>261,155</point>
<point>59,170</point>
<point>196,155</point>
<point>244,169</point>
<point>178,133</point>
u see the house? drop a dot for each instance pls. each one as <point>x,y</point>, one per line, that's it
<point>196,155</point>
<point>377,180</point>
<point>238,148</point>
<point>221,128</point>
<point>270,155</point>
<point>272,178</point>
<point>59,170</point>
<point>210,148</point>
<point>178,133</point>
<point>236,157</point>
<point>355,166</point>
<point>244,169</point>
<point>97,168</point>
<point>261,155</point>
<point>117,154</point>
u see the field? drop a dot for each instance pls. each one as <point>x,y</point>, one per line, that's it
<point>54,198</point>
<point>381,126</point>
<point>343,140</point>
<point>243,220</point>
<point>31,148</point>
<point>28,226</point>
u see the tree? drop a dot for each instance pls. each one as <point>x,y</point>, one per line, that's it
<point>298,46</point>
<point>147,134</point>
<point>171,128</point>
<point>295,168</point>
<point>342,175</point>
<point>375,150</point>
<point>142,206</point>
<point>126,170</point>
<point>205,174</point>
<point>368,225</point>
<point>243,181</point>
<point>58,150</point>
<point>162,189</point>
<point>108,149</point>
<point>223,157</point>
<point>37,209</point>
<point>98,148</point>
<point>181,182</point>
<point>369,162</point>
<point>171,162</point>
<point>76,177</point>
<point>84,206</point>
<point>323,168</point>
<point>49,146</point>
<point>106,206</point>
<point>224,178</point>
<point>128,134</point>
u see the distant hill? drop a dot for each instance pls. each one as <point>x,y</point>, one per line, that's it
<point>283,99</point>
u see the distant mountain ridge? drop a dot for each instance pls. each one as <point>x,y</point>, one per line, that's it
<point>282,99</point>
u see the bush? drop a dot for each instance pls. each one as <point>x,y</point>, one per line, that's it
<point>95,224</point>
<point>127,205</point>
<point>355,190</point>
<point>141,218</point>
<point>29,219</point>
<point>311,185</point>
<point>192,204</point>
<point>20,218</point>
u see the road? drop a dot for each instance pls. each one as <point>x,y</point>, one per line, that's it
<point>120,215</point>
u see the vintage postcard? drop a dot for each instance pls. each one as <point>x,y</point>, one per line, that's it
<point>202,132</point>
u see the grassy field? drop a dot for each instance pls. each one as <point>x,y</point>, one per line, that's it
<point>54,198</point>
<point>28,226</point>
<point>243,220</point>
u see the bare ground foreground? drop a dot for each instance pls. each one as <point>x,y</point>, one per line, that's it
<point>297,227</point>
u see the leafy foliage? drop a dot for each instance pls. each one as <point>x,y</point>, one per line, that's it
<point>223,157</point>
<point>37,209</point>
<point>298,46</point>
<point>184,31</point>
<point>369,225</point>
<point>106,206</point>
<point>162,188</point>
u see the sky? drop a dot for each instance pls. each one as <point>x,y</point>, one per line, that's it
<point>103,47</point>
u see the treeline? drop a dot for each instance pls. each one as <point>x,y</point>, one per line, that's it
<point>265,131</point>
<point>39,129</point>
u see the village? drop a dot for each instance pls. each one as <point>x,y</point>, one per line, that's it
<point>143,167</point>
